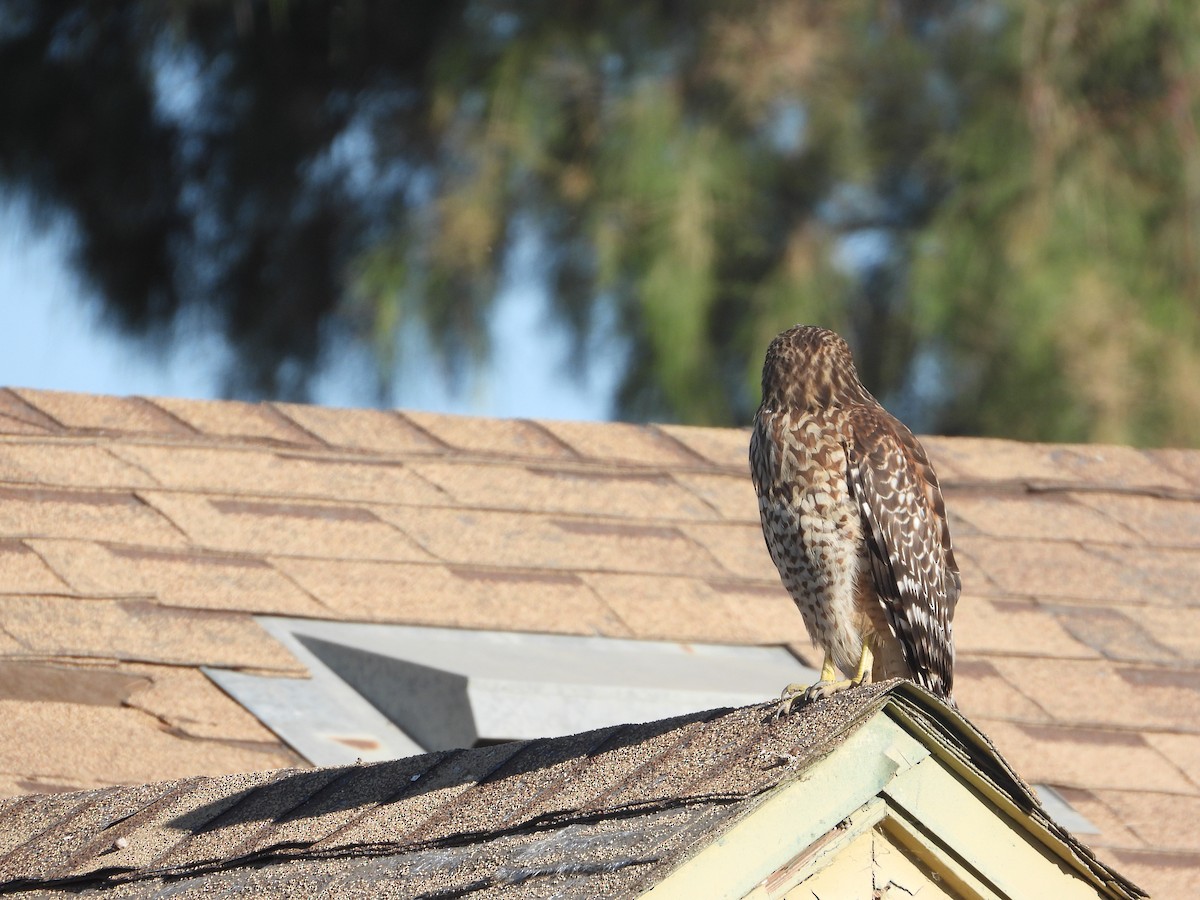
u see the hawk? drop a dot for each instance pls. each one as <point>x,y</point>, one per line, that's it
<point>854,519</point>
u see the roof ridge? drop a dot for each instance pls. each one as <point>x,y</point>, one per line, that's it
<point>700,763</point>
<point>106,848</point>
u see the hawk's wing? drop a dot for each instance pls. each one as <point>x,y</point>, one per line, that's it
<point>908,541</point>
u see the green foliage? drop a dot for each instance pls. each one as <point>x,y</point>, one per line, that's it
<point>1061,269</point>
<point>642,149</point>
<point>1003,194</point>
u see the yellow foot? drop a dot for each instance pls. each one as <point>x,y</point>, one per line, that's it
<point>797,695</point>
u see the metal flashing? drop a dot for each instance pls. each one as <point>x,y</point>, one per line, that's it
<point>383,691</point>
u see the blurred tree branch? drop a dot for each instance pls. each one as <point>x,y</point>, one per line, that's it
<point>995,202</point>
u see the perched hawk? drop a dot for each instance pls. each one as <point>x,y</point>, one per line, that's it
<point>854,520</point>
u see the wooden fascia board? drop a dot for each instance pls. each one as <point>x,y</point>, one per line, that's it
<point>894,772</point>
<point>821,852</point>
<point>786,822</point>
<point>1037,828</point>
<point>1000,849</point>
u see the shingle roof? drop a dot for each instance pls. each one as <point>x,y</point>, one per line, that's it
<point>604,813</point>
<point>138,537</point>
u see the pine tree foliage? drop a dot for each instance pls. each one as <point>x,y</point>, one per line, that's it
<point>997,202</point>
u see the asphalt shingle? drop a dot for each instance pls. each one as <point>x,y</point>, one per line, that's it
<point>237,525</point>
<point>231,419</point>
<point>504,438</point>
<point>578,490</point>
<point>370,430</point>
<point>137,537</point>
<point>454,596</point>
<point>120,516</point>
<point>188,579</point>
<point>140,630</point>
<point>95,412</point>
<point>622,443</point>
<point>618,807</point>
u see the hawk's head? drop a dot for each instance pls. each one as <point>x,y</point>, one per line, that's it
<point>808,367</point>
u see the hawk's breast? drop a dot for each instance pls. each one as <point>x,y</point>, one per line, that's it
<point>812,527</point>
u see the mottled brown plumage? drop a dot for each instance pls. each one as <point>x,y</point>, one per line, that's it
<point>853,518</point>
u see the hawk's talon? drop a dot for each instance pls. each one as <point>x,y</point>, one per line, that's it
<point>799,694</point>
<point>788,698</point>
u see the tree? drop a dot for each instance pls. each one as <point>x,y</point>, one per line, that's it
<point>968,190</point>
<point>1060,274</point>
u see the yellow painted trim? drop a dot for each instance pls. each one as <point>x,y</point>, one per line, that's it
<point>789,819</point>
<point>957,875</point>
<point>875,865</point>
<point>821,852</point>
<point>952,758</point>
<point>1000,850</point>
<point>891,771</point>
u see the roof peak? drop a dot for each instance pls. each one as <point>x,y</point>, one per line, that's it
<point>678,779</point>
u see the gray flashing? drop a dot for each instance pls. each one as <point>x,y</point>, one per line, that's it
<point>385,691</point>
<point>1062,812</point>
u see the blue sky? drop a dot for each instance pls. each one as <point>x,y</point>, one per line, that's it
<point>53,336</point>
